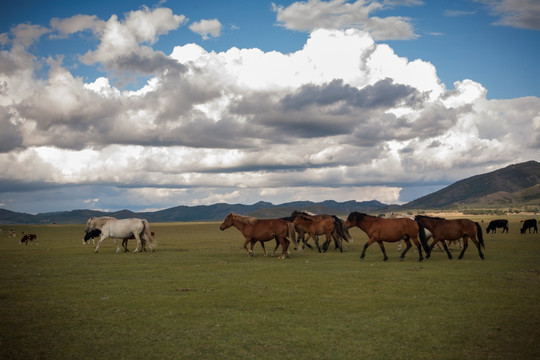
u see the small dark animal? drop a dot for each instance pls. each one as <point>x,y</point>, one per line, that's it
<point>29,237</point>
<point>96,232</point>
<point>528,224</point>
<point>92,234</point>
<point>494,224</point>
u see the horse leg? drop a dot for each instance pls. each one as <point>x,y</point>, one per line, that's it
<point>408,243</point>
<point>316,239</point>
<point>263,247</point>
<point>326,244</point>
<point>447,250</point>
<point>381,245</point>
<point>284,246</point>
<point>277,245</point>
<point>419,248</point>
<point>103,237</point>
<point>139,246</point>
<point>369,242</point>
<point>250,252</point>
<point>465,245</point>
<point>478,247</point>
<point>117,246</point>
<point>124,245</point>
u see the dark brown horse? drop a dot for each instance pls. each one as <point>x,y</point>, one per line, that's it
<point>339,233</point>
<point>443,229</point>
<point>390,230</point>
<point>255,230</point>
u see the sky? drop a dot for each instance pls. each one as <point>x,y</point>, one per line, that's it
<point>147,105</point>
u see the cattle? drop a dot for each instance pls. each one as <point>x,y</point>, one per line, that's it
<point>494,224</point>
<point>528,224</point>
<point>29,237</point>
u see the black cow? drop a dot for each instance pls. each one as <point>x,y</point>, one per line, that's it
<point>29,237</point>
<point>528,224</point>
<point>493,225</point>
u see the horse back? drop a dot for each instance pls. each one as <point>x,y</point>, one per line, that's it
<point>455,229</point>
<point>393,229</point>
<point>266,229</point>
<point>123,228</point>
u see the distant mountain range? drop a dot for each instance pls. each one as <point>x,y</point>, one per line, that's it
<point>515,185</point>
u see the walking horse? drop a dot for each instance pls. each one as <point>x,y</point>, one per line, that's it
<point>443,229</point>
<point>255,230</point>
<point>119,229</point>
<point>390,230</point>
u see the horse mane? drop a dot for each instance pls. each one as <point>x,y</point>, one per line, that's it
<point>244,219</point>
<point>430,217</point>
<point>98,222</point>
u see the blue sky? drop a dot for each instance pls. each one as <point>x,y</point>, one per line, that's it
<point>147,105</point>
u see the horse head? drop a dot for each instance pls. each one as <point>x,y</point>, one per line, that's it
<point>354,219</point>
<point>227,223</point>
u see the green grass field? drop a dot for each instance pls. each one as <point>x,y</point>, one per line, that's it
<point>200,296</point>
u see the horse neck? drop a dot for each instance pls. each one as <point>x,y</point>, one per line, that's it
<point>240,225</point>
<point>429,223</point>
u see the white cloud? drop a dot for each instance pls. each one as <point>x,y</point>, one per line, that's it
<point>206,28</point>
<point>121,46</point>
<point>342,118</point>
<point>340,14</point>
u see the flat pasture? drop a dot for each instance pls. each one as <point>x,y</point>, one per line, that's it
<point>200,296</point>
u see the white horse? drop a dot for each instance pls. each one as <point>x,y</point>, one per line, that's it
<point>120,229</point>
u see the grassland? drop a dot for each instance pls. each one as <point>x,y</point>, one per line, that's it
<point>200,296</point>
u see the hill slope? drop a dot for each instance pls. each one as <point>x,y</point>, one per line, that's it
<point>514,183</point>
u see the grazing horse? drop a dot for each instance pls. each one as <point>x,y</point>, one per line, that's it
<point>443,229</point>
<point>529,224</point>
<point>390,230</point>
<point>255,230</point>
<point>494,224</point>
<point>120,229</point>
<point>29,237</point>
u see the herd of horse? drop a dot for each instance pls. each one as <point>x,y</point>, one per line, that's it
<point>415,230</point>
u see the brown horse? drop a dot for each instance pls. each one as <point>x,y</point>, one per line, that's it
<point>314,227</point>
<point>390,230</point>
<point>262,230</point>
<point>443,229</point>
<point>339,233</point>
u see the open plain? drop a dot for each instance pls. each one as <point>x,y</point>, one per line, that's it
<point>200,296</point>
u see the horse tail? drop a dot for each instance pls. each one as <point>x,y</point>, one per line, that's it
<point>342,231</point>
<point>292,233</point>
<point>423,238</point>
<point>480,235</point>
<point>148,233</point>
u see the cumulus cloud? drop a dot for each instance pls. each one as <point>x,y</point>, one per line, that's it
<point>343,117</point>
<point>341,14</point>
<point>206,28</point>
<point>121,42</point>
